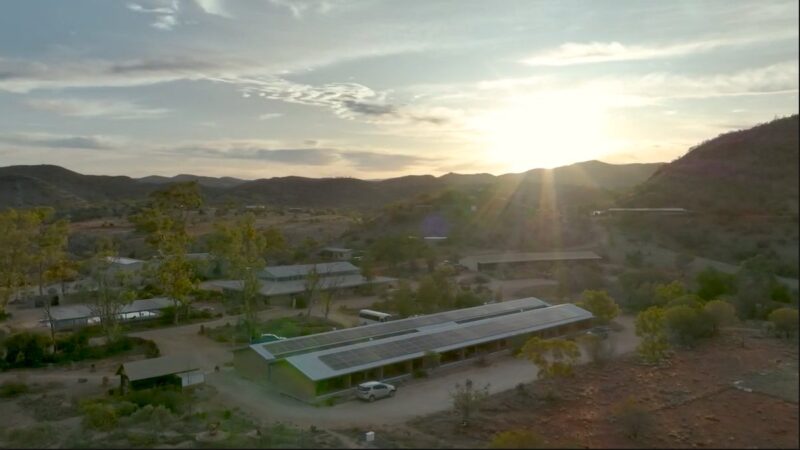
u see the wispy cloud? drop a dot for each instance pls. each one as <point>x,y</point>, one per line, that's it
<point>572,53</point>
<point>302,156</point>
<point>166,15</point>
<point>59,141</point>
<point>268,116</point>
<point>299,7</point>
<point>109,109</point>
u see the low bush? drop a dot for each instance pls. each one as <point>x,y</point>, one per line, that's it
<point>100,416</point>
<point>10,389</point>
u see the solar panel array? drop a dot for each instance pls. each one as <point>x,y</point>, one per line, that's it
<point>430,341</point>
<point>319,341</point>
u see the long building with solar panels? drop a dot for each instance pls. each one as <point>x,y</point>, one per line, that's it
<point>309,367</point>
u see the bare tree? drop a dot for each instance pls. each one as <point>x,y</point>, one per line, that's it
<point>312,285</point>
<point>466,399</point>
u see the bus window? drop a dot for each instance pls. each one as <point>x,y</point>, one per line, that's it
<point>368,316</point>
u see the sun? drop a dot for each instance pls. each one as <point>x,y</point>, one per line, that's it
<point>544,130</point>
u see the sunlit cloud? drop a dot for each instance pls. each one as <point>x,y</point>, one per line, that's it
<point>48,140</point>
<point>109,109</point>
<point>572,53</point>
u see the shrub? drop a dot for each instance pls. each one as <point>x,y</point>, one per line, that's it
<point>784,321</point>
<point>169,398</point>
<point>100,416</point>
<point>516,439</point>
<point>26,349</point>
<point>633,418</point>
<point>721,313</point>
<point>12,389</point>
<point>685,325</point>
<point>600,304</point>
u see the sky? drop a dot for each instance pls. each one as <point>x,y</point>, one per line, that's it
<point>376,89</point>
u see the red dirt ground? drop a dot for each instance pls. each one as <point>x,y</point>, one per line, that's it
<point>691,403</point>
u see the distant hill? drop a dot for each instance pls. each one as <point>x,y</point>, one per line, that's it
<point>213,182</point>
<point>24,186</point>
<point>752,171</point>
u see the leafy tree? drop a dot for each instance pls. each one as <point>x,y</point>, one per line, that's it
<point>712,284</point>
<point>25,349</point>
<point>689,300</point>
<point>516,439</point>
<point>466,399</point>
<point>17,232</point>
<point>553,357</point>
<point>164,222</point>
<point>685,324</point>
<point>665,293</point>
<point>784,321</point>
<point>651,328</point>
<point>402,299</point>
<point>599,303</point>
<point>241,247</point>
<point>721,313</point>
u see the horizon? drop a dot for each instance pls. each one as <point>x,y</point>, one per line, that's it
<point>257,90</point>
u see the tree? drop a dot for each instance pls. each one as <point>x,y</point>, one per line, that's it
<point>689,300</point>
<point>665,293</point>
<point>712,284</point>
<point>17,231</point>
<point>112,290</point>
<point>242,247</point>
<point>467,398</point>
<point>50,258</point>
<point>311,288</point>
<point>784,321</point>
<point>553,357</point>
<point>516,439</point>
<point>600,304</point>
<point>163,222</point>
<point>685,324</point>
<point>651,328</point>
<point>721,313</point>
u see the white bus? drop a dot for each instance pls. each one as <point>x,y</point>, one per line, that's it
<point>368,316</point>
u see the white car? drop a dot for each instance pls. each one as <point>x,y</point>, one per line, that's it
<point>373,390</point>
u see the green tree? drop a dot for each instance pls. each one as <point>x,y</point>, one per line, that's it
<point>17,233</point>
<point>600,304</point>
<point>722,313</point>
<point>665,293</point>
<point>651,328</point>
<point>685,324</point>
<point>689,300</point>
<point>712,284</point>
<point>164,223</point>
<point>402,299</point>
<point>516,439</point>
<point>784,321</point>
<point>553,357</point>
<point>467,398</point>
<point>241,247</point>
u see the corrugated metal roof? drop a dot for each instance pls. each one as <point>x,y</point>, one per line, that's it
<point>158,367</point>
<point>347,336</point>
<point>273,288</point>
<point>304,269</point>
<point>537,256</point>
<point>122,260</point>
<point>337,249</point>
<point>81,311</point>
<point>381,352</point>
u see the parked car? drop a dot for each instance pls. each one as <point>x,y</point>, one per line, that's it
<point>600,331</point>
<point>373,390</point>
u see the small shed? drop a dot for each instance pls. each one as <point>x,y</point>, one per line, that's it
<point>337,253</point>
<point>175,370</point>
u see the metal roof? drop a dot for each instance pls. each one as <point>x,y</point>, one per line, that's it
<point>338,338</point>
<point>538,256</point>
<point>337,249</point>
<point>122,260</point>
<point>335,362</point>
<point>81,311</point>
<point>158,367</point>
<point>273,288</point>
<point>304,269</point>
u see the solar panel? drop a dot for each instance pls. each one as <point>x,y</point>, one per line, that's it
<point>430,341</point>
<point>305,344</point>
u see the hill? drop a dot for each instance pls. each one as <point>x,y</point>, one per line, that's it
<point>24,186</point>
<point>746,172</point>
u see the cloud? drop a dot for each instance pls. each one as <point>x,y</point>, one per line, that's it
<point>572,53</point>
<point>58,141</point>
<point>382,161</point>
<point>303,156</point>
<point>299,7</point>
<point>268,116</point>
<point>214,7</point>
<point>166,17</point>
<point>109,109</point>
